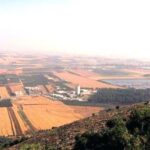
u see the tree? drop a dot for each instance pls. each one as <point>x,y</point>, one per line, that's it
<point>120,133</point>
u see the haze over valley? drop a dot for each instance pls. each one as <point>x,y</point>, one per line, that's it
<point>74,75</point>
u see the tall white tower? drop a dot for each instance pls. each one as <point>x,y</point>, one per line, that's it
<point>78,90</point>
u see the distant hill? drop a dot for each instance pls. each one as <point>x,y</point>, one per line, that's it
<point>65,137</point>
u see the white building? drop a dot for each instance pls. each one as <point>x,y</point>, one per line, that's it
<point>78,90</point>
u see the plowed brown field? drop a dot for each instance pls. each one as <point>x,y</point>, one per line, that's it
<point>15,87</point>
<point>82,81</point>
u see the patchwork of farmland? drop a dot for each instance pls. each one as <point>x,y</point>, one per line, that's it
<point>86,73</point>
<point>15,87</point>
<point>29,114</point>
<point>82,81</point>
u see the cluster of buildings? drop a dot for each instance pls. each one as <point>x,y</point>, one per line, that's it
<point>71,95</point>
<point>59,93</point>
<point>39,90</point>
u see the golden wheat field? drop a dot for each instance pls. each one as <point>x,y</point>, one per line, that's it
<point>29,114</point>
<point>5,123</point>
<point>86,111</point>
<point>3,92</point>
<point>82,81</point>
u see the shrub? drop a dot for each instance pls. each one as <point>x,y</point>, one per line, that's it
<point>31,147</point>
<point>121,134</point>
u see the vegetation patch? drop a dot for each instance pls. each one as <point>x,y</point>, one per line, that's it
<point>129,133</point>
<point>5,103</point>
<point>120,96</point>
<point>146,75</point>
<point>112,72</point>
<point>33,80</point>
<point>87,103</point>
<point>31,147</point>
<point>7,142</point>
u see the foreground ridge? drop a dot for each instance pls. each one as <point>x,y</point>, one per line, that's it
<point>64,137</point>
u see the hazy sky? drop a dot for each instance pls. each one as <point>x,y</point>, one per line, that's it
<point>96,27</point>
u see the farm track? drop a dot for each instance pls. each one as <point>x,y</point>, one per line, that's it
<point>46,88</point>
<point>35,104</point>
<point>16,123</point>
<point>26,120</point>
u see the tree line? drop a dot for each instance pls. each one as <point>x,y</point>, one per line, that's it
<point>5,103</point>
<point>120,96</point>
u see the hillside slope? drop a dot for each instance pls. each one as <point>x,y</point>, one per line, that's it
<point>64,136</point>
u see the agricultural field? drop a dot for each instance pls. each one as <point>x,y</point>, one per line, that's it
<point>122,73</point>
<point>3,92</point>
<point>82,81</point>
<point>86,73</point>
<point>3,71</point>
<point>30,114</point>
<point>86,111</point>
<point>140,73</point>
<point>15,87</point>
<point>44,114</point>
<point>5,123</point>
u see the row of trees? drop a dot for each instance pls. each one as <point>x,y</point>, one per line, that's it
<point>5,103</point>
<point>120,96</point>
<point>6,142</point>
<point>132,133</point>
